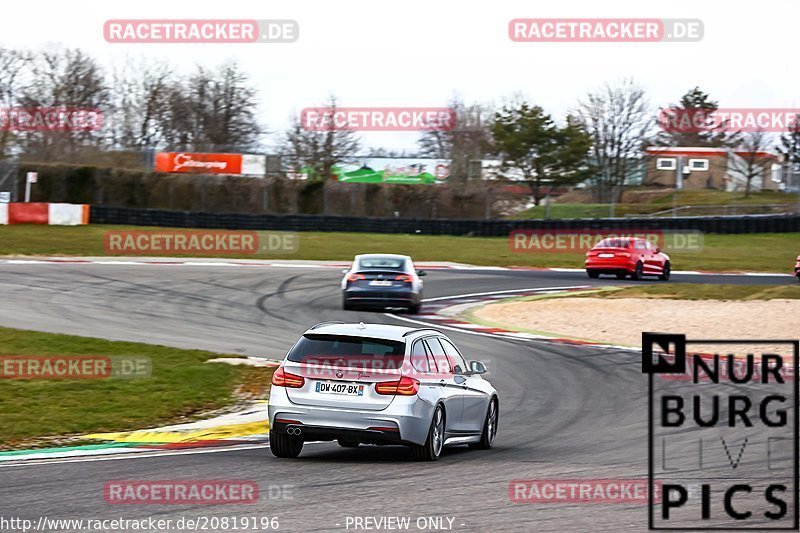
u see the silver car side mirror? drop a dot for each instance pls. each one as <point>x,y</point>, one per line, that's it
<point>477,367</point>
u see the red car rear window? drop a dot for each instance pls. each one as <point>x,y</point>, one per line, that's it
<point>613,243</point>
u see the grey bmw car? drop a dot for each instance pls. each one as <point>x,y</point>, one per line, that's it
<point>380,384</point>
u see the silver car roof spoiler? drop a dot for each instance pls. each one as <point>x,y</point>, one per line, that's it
<point>409,332</point>
<point>315,326</point>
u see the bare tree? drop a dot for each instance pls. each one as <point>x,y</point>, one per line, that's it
<point>318,150</point>
<point>140,104</point>
<point>212,110</point>
<point>469,140</point>
<point>12,65</point>
<point>753,159</point>
<point>618,120</point>
<point>64,78</point>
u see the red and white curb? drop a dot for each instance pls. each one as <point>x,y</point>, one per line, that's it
<point>444,312</point>
<point>220,262</point>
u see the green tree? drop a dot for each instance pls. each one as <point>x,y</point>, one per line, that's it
<point>529,141</point>
<point>682,124</point>
<point>789,145</point>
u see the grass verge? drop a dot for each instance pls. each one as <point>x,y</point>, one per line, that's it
<point>181,387</point>
<point>660,202</point>
<point>765,252</point>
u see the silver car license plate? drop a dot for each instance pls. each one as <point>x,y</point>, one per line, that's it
<point>339,387</point>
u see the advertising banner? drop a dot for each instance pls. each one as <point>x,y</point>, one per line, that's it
<point>205,163</point>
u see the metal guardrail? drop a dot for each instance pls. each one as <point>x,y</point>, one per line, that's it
<point>485,228</point>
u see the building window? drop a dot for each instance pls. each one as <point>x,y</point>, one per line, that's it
<point>698,164</point>
<point>666,163</point>
<point>777,174</point>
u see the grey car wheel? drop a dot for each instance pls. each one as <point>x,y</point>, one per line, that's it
<point>432,449</point>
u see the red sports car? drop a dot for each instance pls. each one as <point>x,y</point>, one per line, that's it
<point>627,256</point>
<point>797,268</point>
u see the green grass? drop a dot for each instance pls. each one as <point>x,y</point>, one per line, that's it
<point>181,385</point>
<point>584,211</point>
<point>696,291</point>
<point>658,203</point>
<point>768,252</point>
<point>702,197</point>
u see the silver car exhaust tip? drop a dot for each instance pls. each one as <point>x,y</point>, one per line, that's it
<point>293,431</point>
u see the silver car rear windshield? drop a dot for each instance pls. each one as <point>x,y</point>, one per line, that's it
<point>347,351</point>
<point>381,263</point>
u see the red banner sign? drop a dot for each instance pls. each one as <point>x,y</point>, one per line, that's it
<point>194,163</point>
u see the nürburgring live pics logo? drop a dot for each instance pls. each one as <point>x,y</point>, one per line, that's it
<point>722,433</point>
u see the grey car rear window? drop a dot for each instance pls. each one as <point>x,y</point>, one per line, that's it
<point>378,262</point>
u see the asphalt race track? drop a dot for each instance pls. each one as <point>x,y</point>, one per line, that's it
<point>565,412</point>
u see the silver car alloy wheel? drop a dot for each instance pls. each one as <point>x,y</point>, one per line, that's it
<point>491,426</point>
<point>438,431</point>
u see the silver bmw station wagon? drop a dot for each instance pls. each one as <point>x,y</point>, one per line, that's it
<point>380,384</point>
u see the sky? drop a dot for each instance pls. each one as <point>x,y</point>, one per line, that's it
<point>420,53</point>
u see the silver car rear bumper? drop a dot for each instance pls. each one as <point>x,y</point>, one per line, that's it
<point>411,416</point>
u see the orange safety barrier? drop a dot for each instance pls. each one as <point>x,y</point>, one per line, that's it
<point>28,213</point>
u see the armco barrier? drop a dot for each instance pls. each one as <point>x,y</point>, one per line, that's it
<point>484,228</point>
